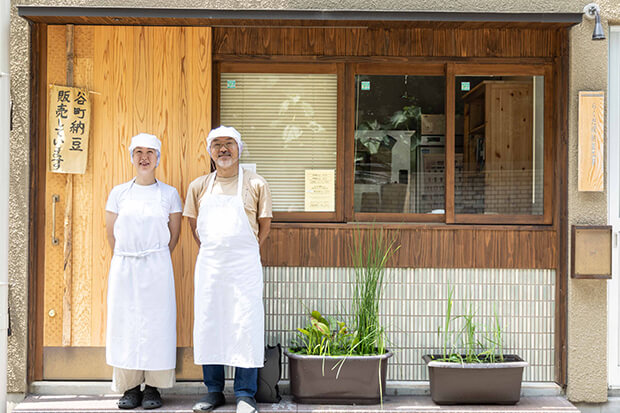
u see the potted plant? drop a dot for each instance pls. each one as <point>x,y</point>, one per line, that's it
<point>331,362</point>
<point>478,374</point>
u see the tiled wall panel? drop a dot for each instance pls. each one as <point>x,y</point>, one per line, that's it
<point>413,307</point>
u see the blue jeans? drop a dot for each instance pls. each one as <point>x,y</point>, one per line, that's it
<point>245,379</point>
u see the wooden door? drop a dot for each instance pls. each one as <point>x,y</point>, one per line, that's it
<point>141,79</point>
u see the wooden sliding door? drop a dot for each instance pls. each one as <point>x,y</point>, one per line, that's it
<point>141,79</point>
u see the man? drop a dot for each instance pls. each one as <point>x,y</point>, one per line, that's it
<point>229,212</point>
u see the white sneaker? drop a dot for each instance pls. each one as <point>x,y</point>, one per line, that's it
<point>246,405</point>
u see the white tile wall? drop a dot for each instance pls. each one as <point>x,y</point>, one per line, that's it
<point>413,307</point>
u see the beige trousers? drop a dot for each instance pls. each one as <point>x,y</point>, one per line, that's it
<point>124,379</point>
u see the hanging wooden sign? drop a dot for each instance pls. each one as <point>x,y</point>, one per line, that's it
<point>68,130</point>
<point>591,159</point>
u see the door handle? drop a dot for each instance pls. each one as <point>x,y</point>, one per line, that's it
<point>55,200</point>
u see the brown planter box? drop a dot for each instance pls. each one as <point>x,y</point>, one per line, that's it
<point>313,378</point>
<point>476,383</point>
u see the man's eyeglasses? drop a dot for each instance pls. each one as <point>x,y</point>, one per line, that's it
<point>227,145</point>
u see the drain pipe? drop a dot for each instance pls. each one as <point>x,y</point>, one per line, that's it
<point>5,125</point>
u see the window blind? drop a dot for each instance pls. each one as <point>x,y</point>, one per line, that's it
<point>288,123</point>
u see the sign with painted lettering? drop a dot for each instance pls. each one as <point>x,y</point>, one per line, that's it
<point>591,162</point>
<point>320,190</point>
<point>68,130</point>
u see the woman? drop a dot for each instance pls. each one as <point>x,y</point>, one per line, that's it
<point>143,221</point>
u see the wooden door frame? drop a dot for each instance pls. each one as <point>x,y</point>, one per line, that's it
<point>38,167</point>
<point>560,213</point>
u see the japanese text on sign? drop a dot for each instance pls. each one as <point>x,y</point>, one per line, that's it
<point>320,190</point>
<point>69,127</point>
<point>591,141</point>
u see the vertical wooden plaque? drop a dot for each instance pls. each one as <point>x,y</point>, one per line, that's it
<point>591,141</point>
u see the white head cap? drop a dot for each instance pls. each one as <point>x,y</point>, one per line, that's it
<point>145,140</point>
<point>224,132</point>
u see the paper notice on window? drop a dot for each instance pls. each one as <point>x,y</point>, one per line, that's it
<point>320,190</point>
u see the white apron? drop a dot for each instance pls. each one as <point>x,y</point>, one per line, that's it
<point>228,284</point>
<point>141,327</point>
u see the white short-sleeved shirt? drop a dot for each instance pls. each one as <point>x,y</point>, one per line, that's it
<point>169,195</point>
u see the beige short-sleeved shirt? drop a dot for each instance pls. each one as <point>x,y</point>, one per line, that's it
<point>255,192</point>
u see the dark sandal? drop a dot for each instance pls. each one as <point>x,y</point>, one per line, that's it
<point>151,398</point>
<point>131,399</point>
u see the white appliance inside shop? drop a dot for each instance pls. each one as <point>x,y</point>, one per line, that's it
<point>430,166</point>
<point>430,175</point>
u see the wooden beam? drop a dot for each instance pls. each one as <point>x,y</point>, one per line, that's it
<point>36,279</point>
<point>248,16</point>
<point>450,149</point>
<point>561,213</point>
<point>68,219</point>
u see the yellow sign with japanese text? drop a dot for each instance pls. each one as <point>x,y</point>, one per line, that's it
<point>68,129</point>
<point>319,188</point>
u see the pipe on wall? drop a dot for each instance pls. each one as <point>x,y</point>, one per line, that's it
<point>4,193</point>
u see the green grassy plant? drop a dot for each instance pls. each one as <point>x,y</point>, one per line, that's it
<point>370,251</point>
<point>476,346</point>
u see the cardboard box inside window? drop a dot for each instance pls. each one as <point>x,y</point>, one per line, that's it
<point>433,124</point>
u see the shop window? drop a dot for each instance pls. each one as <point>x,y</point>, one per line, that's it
<point>400,143</point>
<point>499,145</point>
<point>288,122</point>
<point>453,143</point>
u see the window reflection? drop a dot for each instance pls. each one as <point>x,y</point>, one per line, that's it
<point>400,144</point>
<point>499,139</point>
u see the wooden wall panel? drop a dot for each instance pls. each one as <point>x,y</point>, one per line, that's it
<point>144,79</point>
<point>103,160</point>
<point>464,254</point>
<point>193,154</point>
<point>82,204</point>
<point>448,247</point>
<point>388,42</point>
<point>54,184</point>
<point>334,44</point>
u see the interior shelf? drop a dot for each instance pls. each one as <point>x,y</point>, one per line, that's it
<point>477,129</point>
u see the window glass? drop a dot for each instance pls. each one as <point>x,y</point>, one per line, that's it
<point>400,144</point>
<point>288,123</point>
<point>499,150</point>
